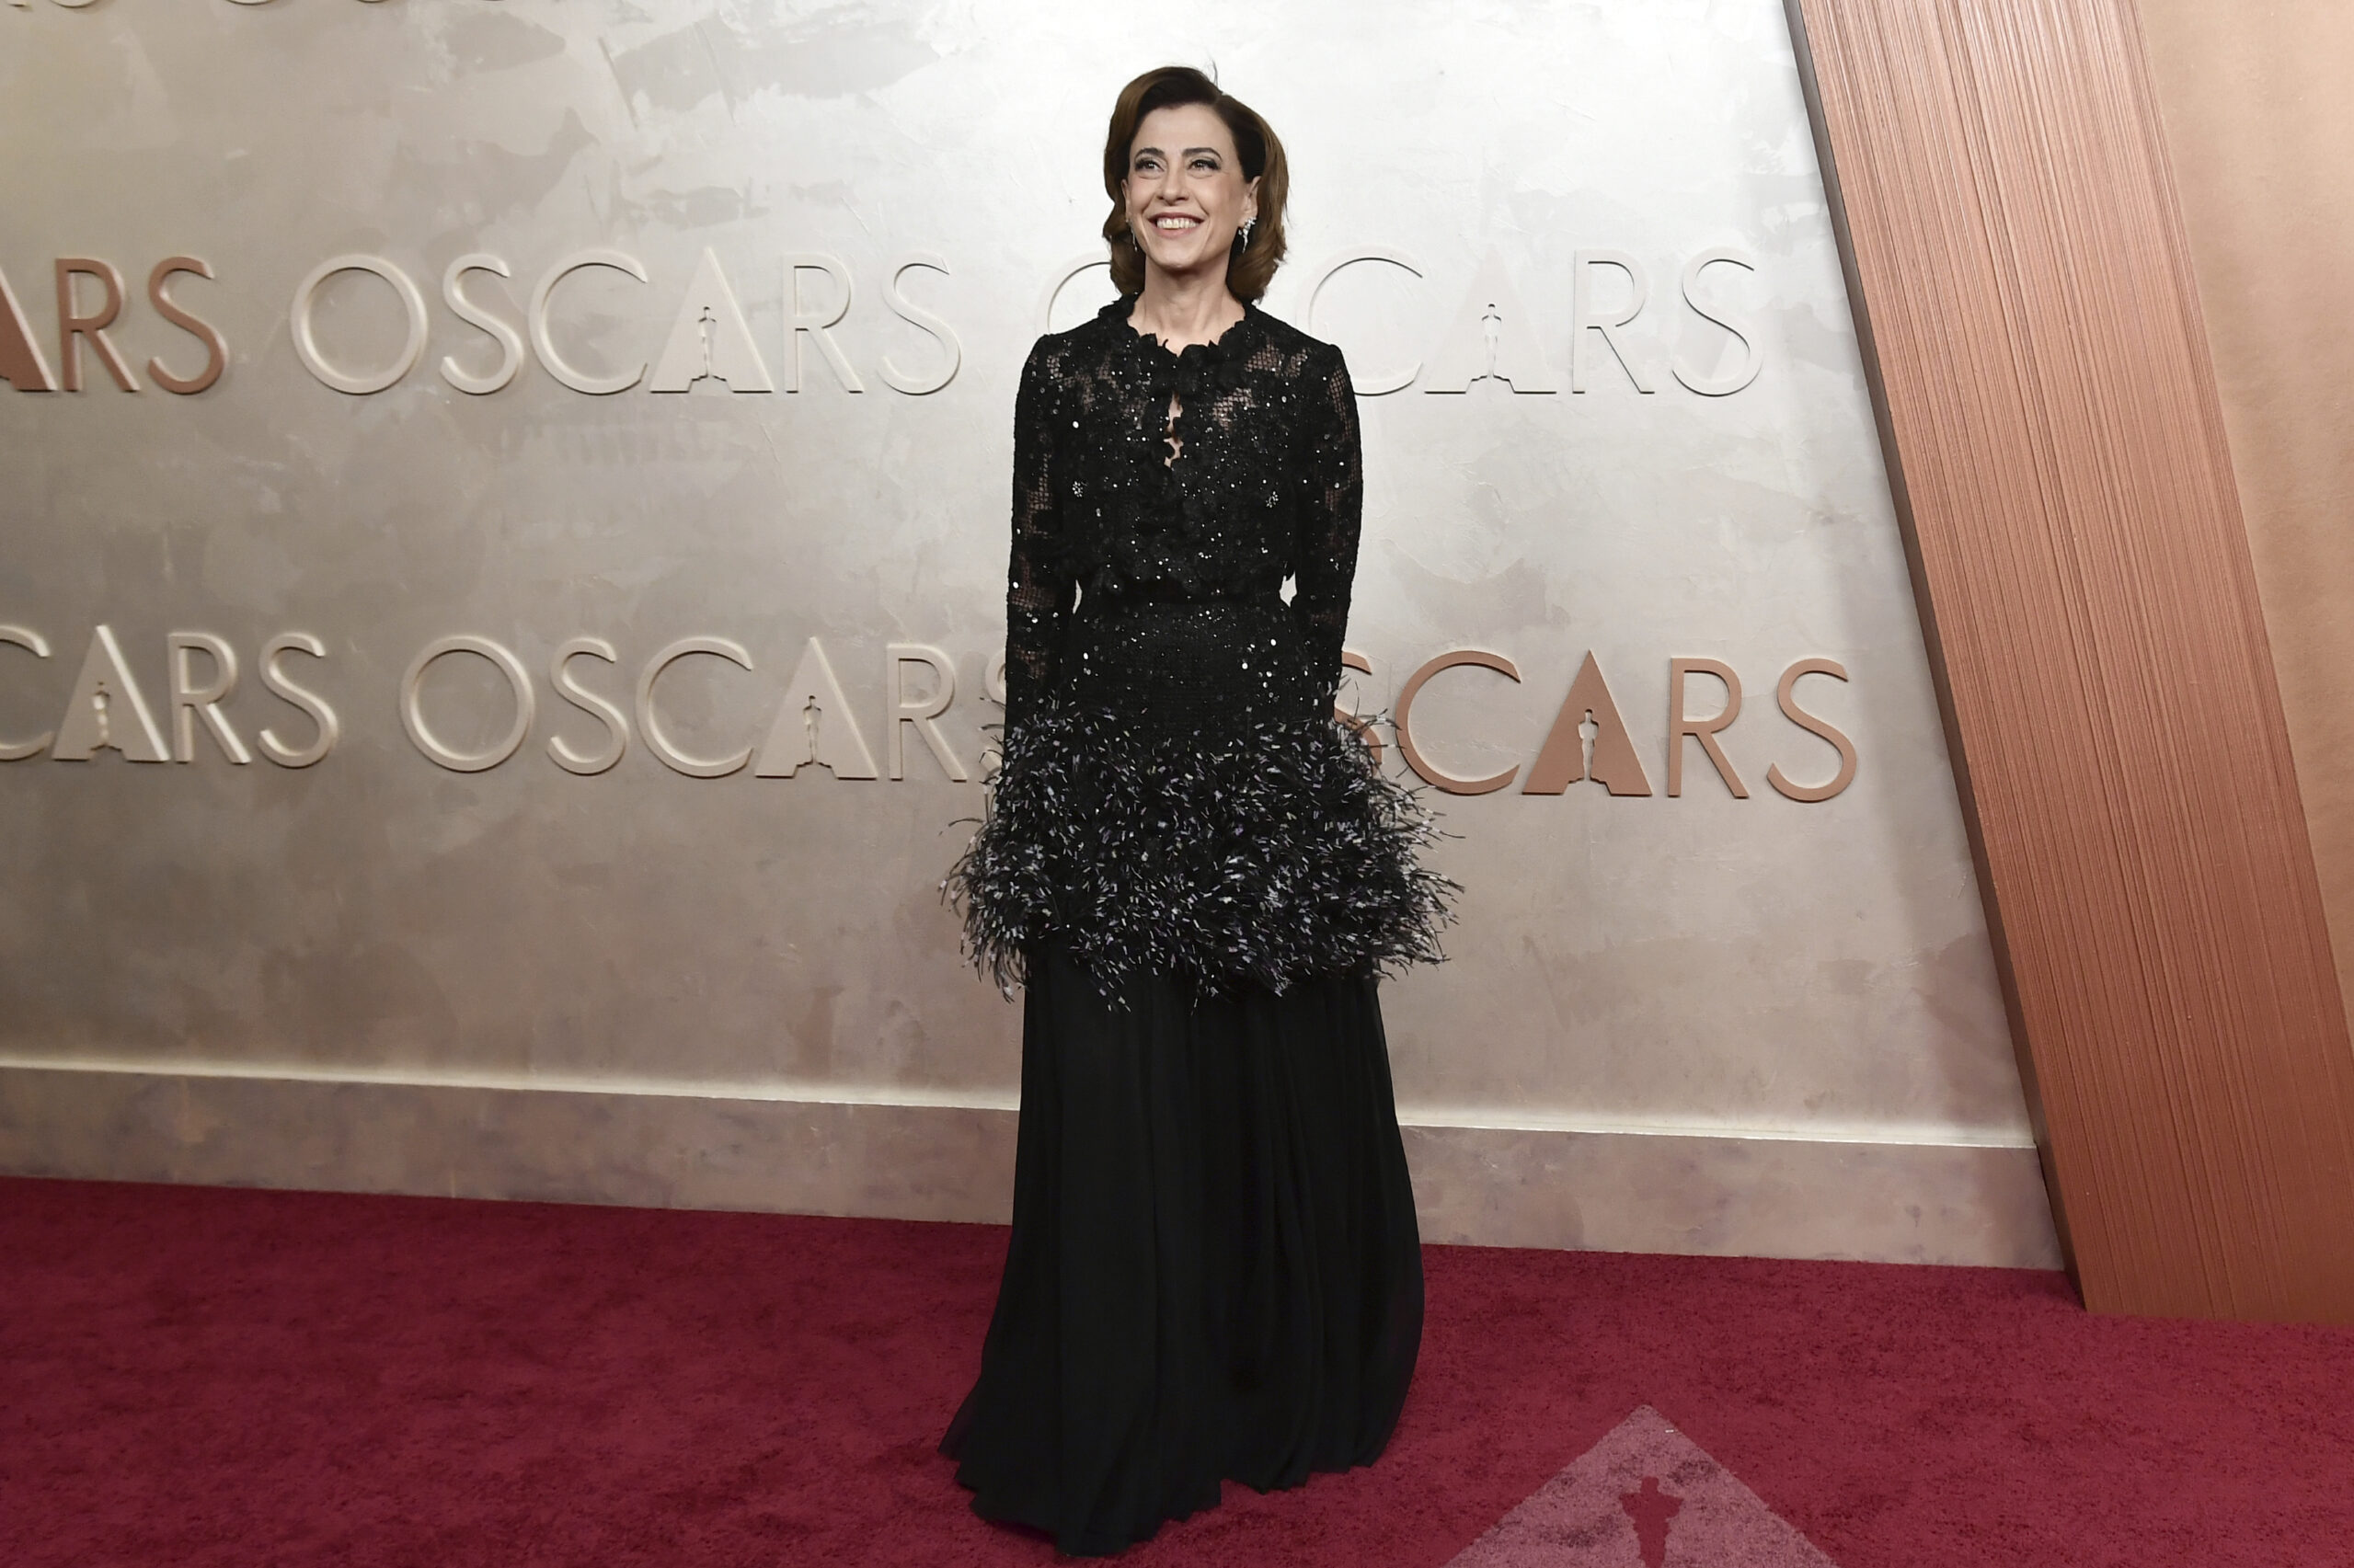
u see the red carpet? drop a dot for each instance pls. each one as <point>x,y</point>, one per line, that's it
<point>193,1377</point>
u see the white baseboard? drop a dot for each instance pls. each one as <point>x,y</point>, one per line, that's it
<point>1907,1197</point>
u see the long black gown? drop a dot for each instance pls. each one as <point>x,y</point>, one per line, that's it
<point>1198,874</point>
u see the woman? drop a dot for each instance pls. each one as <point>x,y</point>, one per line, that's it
<point>1197,873</point>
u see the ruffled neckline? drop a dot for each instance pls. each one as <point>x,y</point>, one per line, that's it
<point>1230,349</point>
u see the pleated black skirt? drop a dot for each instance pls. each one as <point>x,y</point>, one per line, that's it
<point>1214,1271</point>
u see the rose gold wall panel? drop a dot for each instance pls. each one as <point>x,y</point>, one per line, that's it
<point>2050,414</point>
<point>2253,99</point>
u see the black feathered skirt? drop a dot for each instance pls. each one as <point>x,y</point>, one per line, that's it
<point>1258,850</point>
<point>1214,1271</point>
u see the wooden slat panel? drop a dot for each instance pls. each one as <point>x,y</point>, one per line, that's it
<point>2050,414</point>
<point>2252,97</point>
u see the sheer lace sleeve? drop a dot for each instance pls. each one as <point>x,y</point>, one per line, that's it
<point>1038,578</point>
<point>1324,558</point>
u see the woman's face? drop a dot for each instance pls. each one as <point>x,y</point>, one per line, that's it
<point>1186,193</point>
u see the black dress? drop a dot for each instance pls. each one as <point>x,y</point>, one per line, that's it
<point>1198,874</point>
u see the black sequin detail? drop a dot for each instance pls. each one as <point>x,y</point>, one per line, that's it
<point>1175,795</point>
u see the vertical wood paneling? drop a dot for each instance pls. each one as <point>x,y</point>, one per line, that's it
<point>2252,97</point>
<point>2049,413</point>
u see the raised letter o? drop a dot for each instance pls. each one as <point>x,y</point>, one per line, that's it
<point>298,318</point>
<point>412,716</point>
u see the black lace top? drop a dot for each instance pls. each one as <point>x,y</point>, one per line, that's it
<point>1137,567</point>
<point>1176,795</point>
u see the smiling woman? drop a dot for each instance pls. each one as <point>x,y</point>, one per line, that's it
<point>1198,874</point>
<point>1224,154</point>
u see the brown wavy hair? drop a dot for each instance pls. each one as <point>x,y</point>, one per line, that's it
<point>1249,270</point>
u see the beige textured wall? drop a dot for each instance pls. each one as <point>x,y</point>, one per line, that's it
<point>2258,124</point>
<point>1677,1023</point>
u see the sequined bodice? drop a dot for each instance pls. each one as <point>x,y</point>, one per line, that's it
<point>1153,584</point>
